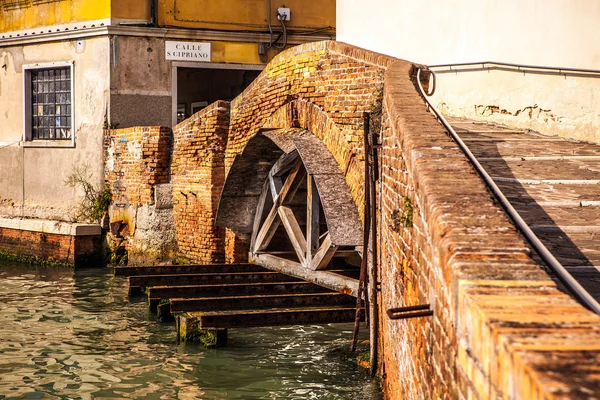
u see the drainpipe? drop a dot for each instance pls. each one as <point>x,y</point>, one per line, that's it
<point>153,17</point>
<point>153,13</point>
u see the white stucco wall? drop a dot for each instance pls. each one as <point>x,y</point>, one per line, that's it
<point>32,178</point>
<point>552,33</point>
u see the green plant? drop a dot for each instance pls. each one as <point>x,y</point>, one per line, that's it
<point>366,356</point>
<point>95,202</point>
<point>404,218</point>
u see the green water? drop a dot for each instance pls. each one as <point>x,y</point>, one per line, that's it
<point>76,335</point>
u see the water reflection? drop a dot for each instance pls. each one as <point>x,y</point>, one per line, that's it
<point>76,335</point>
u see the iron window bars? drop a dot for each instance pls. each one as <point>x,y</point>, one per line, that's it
<point>51,110</point>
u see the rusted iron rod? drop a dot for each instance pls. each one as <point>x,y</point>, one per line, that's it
<point>409,308</point>
<point>366,228</point>
<point>372,277</point>
<point>410,312</point>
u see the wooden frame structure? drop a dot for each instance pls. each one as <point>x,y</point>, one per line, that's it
<point>314,251</point>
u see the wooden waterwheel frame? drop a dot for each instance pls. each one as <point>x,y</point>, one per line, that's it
<point>312,252</point>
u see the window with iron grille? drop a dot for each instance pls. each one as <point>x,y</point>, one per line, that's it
<point>50,112</point>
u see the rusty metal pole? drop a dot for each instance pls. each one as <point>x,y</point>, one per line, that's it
<point>373,278</point>
<point>366,227</point>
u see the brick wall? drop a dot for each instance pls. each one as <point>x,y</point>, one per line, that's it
<point>198,174</point>
<point>138,159</point>
<point>64,249</point>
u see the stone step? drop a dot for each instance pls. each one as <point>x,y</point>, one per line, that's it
<point>286,300</point>
<point>136,283</point>
<point>276,317</point>
<point>187,269</point>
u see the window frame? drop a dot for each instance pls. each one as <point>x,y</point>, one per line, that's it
<point>28,140</point>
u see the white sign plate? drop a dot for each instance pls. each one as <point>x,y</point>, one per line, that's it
<point>187,51</point>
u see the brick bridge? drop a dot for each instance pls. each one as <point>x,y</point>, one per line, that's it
<point>500,328</point>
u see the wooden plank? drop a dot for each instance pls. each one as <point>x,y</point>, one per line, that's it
<point>186,269</point>
<point>205,279</point>
<point>312,219</point>
<point>260,211</point>
<point>277,317</point>
<point>324,255</point>
<point>294,231</point>
<point>291,185</point>
<point>325,299</point>
<point>284,164</point>
<point>327,279</point>
<point>158,293</point>
<point>275,185</point>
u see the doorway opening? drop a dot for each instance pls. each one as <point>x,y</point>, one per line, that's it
<point>197,87</point>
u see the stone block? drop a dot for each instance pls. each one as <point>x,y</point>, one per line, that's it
<point>163,195</point>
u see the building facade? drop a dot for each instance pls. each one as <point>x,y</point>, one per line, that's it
<point>72,68</point>
<point>562,98</point>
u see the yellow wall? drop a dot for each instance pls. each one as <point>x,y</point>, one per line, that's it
<point>245,15</point>
<point>229,15</point>
<point>56,12</point>
<point>131,9</point>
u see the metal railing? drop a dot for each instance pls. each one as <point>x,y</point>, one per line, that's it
<point>565,277</point>
<point>501,66</point>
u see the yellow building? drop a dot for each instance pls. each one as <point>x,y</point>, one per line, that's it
<point>69,68</point>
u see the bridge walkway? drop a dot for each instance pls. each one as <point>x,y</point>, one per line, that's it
<point>553,183</point>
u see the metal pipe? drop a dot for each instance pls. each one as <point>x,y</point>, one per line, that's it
<point>153,13</point>
<point>518,67</point>
<point>576,289</point>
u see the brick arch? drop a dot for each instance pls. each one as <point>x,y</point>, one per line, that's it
<point>340,80</point>
<point>347,153</point>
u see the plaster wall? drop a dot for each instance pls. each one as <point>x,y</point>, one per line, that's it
<point>32,178</point>
<point>566,106</point>
<point>534,32</point>
<point>140,82</point>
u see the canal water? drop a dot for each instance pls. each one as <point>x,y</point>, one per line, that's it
<point>77,335</point>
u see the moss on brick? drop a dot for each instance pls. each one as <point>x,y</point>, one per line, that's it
<point>32,260</point>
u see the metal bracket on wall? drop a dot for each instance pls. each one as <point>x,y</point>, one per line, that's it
<point>423,310</point>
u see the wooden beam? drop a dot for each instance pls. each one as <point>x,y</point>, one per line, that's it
<point>260,210</point>
<point>312,219</point>
<point>289,188</point>
<point>294,231</point>
<point>275,317</point>
<point>327,279</point>
<point>323,255</point>
<point>185,269</point>
<point>284,164</point>
<point>275,184</point>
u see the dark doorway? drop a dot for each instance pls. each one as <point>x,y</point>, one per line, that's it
<point>199,87</point>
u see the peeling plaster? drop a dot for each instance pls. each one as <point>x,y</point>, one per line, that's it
<point>532,112</point>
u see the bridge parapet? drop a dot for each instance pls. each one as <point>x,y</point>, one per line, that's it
<point>501,328</point>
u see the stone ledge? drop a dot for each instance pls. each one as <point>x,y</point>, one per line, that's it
<point>49,226</point>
